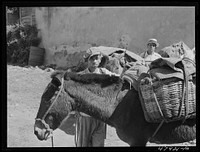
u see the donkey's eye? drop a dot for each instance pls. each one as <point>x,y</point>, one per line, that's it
<point>50,117</point>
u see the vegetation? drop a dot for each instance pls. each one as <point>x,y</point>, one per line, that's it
<point>12,9</point>
<point>19,39</point>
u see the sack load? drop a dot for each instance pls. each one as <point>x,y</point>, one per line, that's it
<point>168,91</point>
<point>133,73</point>
<point>177,50</point>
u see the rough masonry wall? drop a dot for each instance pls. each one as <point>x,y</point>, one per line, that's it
<point>78,28</point>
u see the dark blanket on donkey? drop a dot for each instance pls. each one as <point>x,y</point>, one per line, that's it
<point>162,68</point>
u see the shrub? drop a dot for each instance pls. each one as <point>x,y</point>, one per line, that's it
<point>19,40</point>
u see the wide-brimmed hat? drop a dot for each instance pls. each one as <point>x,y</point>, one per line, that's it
<point>104,58</point>
<point>153,41</point>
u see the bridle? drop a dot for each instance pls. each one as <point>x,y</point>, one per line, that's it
<point>49,130</point>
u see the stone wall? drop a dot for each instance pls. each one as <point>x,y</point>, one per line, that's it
<point>72,29</point>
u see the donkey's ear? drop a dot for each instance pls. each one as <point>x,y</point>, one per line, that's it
<point>56,81</point>
<point>55,73</point>
<point>56,77</point>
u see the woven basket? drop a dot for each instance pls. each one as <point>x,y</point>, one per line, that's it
<point>163,99</point>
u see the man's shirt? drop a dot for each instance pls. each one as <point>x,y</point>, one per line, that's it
<point>149,58</point>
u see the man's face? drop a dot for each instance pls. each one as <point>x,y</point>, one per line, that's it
<point>151,47</point>
<point>94,61</point>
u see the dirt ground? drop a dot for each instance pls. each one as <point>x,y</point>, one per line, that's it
<point>24,89</point>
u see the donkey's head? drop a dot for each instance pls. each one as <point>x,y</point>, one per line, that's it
<point>54,107</point>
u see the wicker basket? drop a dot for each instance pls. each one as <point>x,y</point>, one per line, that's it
<point>163,99</point>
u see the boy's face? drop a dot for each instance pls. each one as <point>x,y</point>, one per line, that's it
<point>151,47</point>
<point>94,61</point>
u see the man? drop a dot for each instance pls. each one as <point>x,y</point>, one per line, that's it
<point>90,131</point>
<point>150,55</point>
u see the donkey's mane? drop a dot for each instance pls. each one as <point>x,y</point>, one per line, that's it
<point>93,78</point>
<point>95,94</point>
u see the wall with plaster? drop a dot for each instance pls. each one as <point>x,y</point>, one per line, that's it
<point>66,30</point>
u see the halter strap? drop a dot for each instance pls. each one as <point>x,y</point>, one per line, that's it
<point>42,120</point>
<point>61,88</point>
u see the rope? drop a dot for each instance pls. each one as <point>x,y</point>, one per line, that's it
<point>185,92</point>
<point>157,129</point>
<point>54,99</point>
<point>189,60</point>
<point>42,120</point>
<point>76,132</point>
<point>161,113</point>
<point>52,141</point>
<point>163,120</point>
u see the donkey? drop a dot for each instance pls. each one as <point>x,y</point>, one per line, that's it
<point>110,100</point>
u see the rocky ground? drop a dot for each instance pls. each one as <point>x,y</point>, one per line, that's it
<point>25,86</point>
